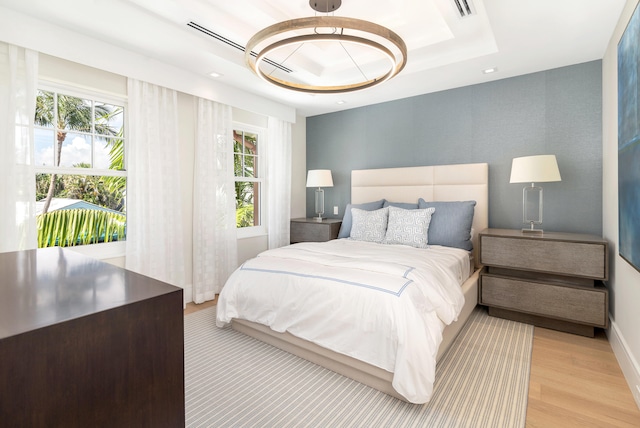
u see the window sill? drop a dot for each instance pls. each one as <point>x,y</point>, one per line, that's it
<point>251,232</point>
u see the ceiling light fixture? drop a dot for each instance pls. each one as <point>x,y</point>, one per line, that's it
<point>490,70</point>
<point>380,43</point>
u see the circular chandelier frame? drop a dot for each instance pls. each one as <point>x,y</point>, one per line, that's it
<point>397,61</point>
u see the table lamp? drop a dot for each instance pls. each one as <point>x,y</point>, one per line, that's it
<point>532,169</point>
<point>319,178</point>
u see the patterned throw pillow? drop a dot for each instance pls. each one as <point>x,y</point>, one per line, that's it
<point>347,220</point>
<point>369,226</point>
<point>408,227</point>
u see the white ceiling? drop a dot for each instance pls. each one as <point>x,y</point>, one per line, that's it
<point>444,50</point>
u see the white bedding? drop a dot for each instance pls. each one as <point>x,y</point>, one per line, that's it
<point>383,304</point>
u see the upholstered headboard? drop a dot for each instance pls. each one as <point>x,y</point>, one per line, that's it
<point>462,182</point>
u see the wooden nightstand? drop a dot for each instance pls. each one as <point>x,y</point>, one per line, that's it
<point>311,230</point>
<point>552,280</point>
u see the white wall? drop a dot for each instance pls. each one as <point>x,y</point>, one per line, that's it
<point>624,283</point>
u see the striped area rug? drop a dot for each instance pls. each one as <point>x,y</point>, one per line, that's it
<point>232,380</point>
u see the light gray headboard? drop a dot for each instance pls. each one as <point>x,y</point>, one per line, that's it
<point>462,182</point>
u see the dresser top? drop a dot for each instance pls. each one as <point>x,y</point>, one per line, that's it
<point>545,236</point>
<point>39,288</point>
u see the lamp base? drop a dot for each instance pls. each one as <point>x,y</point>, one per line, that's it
<point>319,218</point>
<point>319,204</point>
<point>532,231</point>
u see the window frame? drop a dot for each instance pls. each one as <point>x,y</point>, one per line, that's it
<point>100,250</point>
<point>260,230</point>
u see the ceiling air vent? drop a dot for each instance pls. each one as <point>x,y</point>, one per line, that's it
<point>464,7</point>
<point>235,45</point>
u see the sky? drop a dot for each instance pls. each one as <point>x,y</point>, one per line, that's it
<point>75,149</point>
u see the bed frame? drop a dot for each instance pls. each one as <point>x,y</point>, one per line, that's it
<point>461,182</point>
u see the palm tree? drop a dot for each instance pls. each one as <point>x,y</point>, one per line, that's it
<point>73,114</point>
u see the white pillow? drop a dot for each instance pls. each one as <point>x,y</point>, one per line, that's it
<point>369,226</point>
<point>408,227</point>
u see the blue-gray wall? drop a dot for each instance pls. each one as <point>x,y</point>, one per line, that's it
<point>556,111</point>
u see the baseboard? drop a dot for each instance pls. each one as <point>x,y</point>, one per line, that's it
<point>628,364</point>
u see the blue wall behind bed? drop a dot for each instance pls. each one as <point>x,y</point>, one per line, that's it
<point>556,111</point>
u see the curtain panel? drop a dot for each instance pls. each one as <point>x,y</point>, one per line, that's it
<point>18,86</point>
<point>155,245</point>
<point>215,246</point>
<point>278,182</point>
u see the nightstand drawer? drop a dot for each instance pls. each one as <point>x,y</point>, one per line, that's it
<point>581,259</point>
<point>311,230</point>
<point>576,304</point>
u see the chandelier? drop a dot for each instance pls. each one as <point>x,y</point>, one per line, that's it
<point>364,54</point>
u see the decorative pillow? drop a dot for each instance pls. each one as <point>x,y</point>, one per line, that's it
<point>408,227</point>
<point>345,228</point>
<point>369,226</point>
<point>451,223</point>
<point>404,205</point>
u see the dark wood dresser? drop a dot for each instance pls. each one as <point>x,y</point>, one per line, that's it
<point>87,344</point>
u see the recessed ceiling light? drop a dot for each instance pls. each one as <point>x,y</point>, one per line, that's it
<point>490,70</point>
<point>215,74</point>
<point>340,102</point>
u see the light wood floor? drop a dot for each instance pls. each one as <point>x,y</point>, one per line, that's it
<point>575,382</point>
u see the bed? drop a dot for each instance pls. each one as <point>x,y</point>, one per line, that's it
<point>463,182</point>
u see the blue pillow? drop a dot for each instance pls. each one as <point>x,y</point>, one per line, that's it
<point>450,223</point>
<point>403,205</point>
<point>347,220</point>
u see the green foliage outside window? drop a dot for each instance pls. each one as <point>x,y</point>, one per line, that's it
<point>245,166</point>
<point>60,116</point>
<point>65,228</point>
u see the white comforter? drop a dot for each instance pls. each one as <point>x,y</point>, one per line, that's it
<point>383,304</point>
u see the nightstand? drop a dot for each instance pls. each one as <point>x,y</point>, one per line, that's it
<point>312,230</point>
<point>552,280</point>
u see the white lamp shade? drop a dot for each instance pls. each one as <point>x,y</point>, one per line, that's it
<point>535,169</point>
<point>319,178</point>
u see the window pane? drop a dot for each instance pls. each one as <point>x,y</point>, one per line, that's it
<point>101,153</point>
<point>238,164</point>
<point>76,151</point>
<point>44,141</point>
<point>109,119</point>
<point>251,143</point>
<point>74,113</point>
<point>93,207</point>
<point>251,152</point>
<point>247,214</point>
<point>249,166</point>
<point>44,109</point>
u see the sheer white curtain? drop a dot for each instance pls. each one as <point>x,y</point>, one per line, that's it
<point>18,85</point>
<point>215,245</point>
<point>154,215</point>
<point>278,181</point>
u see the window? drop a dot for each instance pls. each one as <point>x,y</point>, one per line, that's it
<point>80,168</point>
<point>248,178</point>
